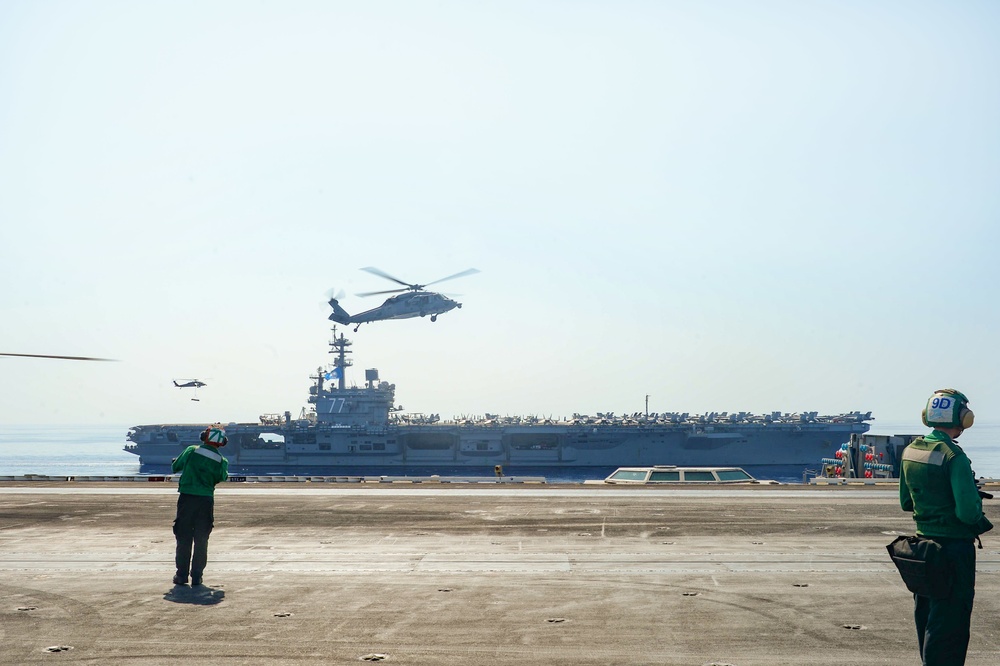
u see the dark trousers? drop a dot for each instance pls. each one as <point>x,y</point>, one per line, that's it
<point>943,624</point>
<point>194,522</point>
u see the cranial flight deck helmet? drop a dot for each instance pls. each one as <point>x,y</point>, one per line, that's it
<point>948,408</point>
<point>214,435</point>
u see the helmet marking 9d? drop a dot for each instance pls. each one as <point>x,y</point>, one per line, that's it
<point>948,408</point>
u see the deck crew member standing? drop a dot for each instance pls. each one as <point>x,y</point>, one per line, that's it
<point>202,468</point>
<point>938,485</point>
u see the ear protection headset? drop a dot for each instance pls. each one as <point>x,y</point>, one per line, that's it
<point>948,408</point>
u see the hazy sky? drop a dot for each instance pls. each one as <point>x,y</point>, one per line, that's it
<point>761,206</point>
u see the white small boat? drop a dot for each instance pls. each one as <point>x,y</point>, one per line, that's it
<point>671,474</point>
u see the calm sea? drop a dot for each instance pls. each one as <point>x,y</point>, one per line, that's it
<point>97,450</point>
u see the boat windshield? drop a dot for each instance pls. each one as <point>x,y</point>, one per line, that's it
<point>629,475</point>
<point>734,475</point>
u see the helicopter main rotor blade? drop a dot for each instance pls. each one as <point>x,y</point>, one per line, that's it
<point>469,271</point>
<point>376,293</point>
<point>381,273</point>
<point>68,358</point>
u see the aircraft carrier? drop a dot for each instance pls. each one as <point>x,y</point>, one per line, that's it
<point>358,430</point>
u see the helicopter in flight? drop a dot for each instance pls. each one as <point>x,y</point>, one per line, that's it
<point>192,383</point>
<point>410,301</point>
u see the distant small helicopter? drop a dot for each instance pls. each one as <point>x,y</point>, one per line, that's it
<point>412,302</point>
<point>193,383</point>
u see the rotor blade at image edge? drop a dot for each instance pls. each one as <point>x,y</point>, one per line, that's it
<point>68,358</point>
<point>470,271</point>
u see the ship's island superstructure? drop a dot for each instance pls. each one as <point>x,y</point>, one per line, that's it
<point>358,430</point>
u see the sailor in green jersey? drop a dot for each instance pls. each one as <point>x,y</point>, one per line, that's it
<point>937,484</point>
<point>202,468</point>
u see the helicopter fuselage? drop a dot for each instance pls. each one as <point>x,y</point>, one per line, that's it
<point>414,301</point>
<point>401,306</point>
<point>191,384</point>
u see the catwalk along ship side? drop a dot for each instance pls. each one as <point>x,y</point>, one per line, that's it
<point>358,430</point>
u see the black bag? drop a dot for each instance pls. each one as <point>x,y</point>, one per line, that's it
<point>923,566</point>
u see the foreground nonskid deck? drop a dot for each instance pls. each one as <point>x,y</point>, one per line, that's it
<point>308,573</point>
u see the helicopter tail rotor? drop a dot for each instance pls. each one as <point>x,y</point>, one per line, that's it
<point>339,314</point>
<point>333,294</point>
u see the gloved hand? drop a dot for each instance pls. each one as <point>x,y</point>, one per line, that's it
<point>984,525</point>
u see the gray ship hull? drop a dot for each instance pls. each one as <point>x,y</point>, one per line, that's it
<point>436,448</point>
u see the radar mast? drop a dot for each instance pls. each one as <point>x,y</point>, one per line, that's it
<point>339,346</point>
